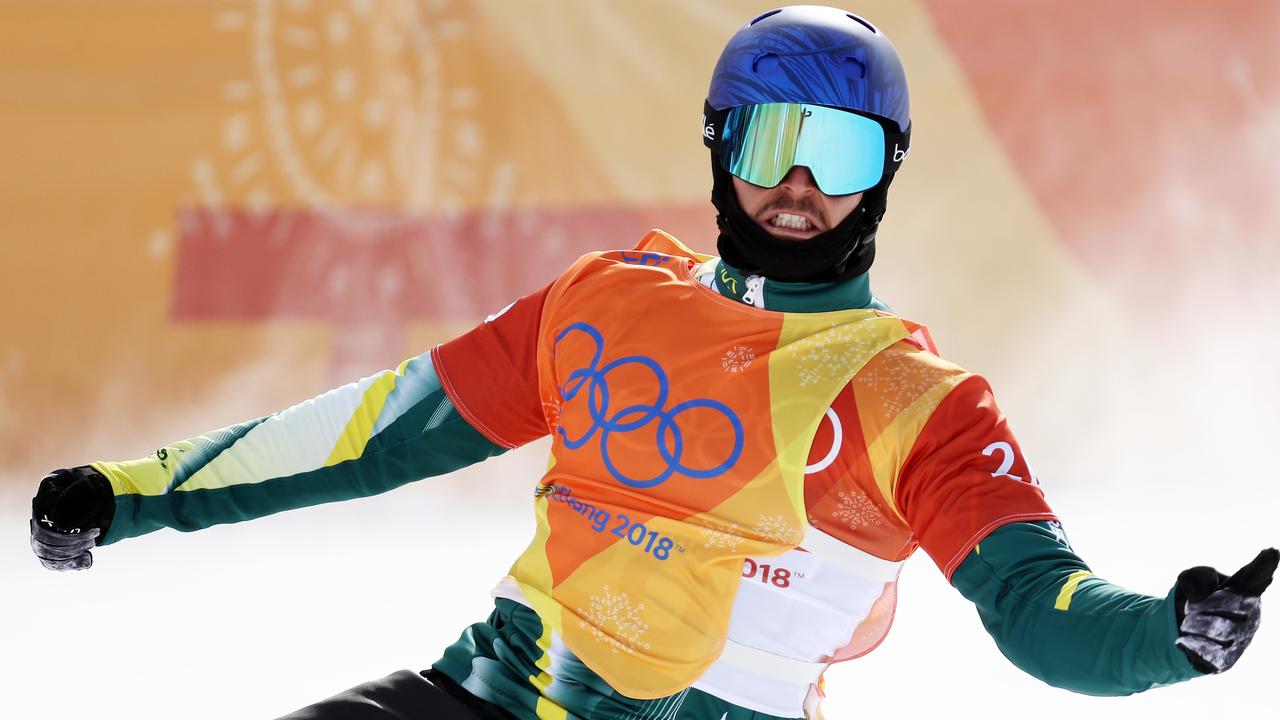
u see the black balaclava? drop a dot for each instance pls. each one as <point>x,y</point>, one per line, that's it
<point>843,252</point>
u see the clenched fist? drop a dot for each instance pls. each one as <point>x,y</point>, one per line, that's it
<point>70,512</point>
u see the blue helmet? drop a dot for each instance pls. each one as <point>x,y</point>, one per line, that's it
<point>819,56</point>
<point>812,54</point>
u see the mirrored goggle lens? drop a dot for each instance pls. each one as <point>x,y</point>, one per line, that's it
<point>845,152</point>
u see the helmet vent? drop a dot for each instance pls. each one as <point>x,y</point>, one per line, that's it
<point>858,20</point>
<point>765,63</point>
<point>771,13</point>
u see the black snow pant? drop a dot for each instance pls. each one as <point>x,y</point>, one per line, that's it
<point>403,695</point>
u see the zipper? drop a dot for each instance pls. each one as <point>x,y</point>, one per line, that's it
<point>754,295</point>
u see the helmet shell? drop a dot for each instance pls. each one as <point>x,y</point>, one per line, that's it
<point>812,54</point>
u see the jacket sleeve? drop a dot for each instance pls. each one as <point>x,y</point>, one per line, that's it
<point>1058,622</point>
<point>361,439</point>
<point>976,506</point>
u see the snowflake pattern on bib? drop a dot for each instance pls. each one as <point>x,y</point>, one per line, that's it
<point>856,510</point>
<point>775,528</point>
<point>721,536</point>
<point>615,613</point>
<point>551,411</point>
<point>836,352</point>
<point>737,359</point>
<point>899,384</point>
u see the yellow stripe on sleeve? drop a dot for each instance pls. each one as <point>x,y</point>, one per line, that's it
<point>1069,588</point>
<point>356,435</point>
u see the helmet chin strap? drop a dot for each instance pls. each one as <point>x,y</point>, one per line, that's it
<point>843,252</point>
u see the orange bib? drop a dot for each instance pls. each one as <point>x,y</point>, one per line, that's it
<point>681,426</point>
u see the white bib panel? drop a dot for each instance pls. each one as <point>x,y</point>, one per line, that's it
<point>792,616</point>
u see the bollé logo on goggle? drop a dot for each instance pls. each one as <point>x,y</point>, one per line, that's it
<point>708,129</point>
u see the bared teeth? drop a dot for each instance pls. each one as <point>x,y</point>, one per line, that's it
<point>791,222</point>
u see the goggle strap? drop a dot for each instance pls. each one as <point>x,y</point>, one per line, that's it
<point>897,146</point>
<point>712,126</point>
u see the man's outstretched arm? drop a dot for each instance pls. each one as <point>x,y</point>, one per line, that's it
<point>977,509</point>
<point>361,439</point>
<point>1058,622</point>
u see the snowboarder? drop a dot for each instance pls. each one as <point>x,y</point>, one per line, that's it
<point>745,451</point>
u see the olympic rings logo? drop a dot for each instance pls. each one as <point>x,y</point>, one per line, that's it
<point>670,441</point>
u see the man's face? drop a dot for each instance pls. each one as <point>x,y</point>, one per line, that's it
<point>795,209</point>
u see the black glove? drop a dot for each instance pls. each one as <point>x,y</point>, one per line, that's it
<point>1218,615</point>
<point>70,512</point>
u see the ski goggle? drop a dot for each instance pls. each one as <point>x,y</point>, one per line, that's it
<point>845,152</point>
